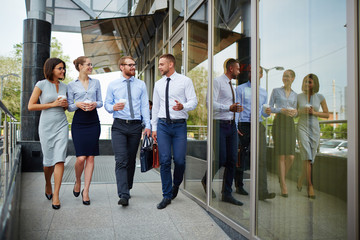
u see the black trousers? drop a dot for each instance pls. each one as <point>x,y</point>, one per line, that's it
<point>244,143</point>
<point>125,138</point>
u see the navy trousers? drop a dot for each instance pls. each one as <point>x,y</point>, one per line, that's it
<point>171,136</point>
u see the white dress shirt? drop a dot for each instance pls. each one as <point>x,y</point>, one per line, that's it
<point>181,89</point>
<point>222,98</point>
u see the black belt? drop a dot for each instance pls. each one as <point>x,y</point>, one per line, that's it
<point>226,121</point>
<point>173,120</point>
<point>128,121</point>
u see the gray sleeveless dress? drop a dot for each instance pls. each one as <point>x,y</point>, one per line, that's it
<point>53,125</point>
<point>308,127</point>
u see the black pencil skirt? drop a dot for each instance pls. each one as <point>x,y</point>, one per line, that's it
<point>85,131</point>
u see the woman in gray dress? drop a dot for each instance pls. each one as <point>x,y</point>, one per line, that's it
<point>308,103</point>
<point>53,125</point>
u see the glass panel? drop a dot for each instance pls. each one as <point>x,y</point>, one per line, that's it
<point>166,28</point>
<point>197,49</point>
<point>152,48</point>
<point>160,37</point>
<point>231,40</point>
<point>307,153</point>
<point>177,13</point>
<point>177,52</point>
<point>191,5</point>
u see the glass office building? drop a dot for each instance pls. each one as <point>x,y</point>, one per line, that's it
<point>315,198</point>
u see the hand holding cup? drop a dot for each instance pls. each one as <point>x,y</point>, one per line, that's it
<point>119,105</point>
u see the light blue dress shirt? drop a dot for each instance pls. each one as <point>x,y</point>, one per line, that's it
<point>117,90</point>
<point>77,93</point>
<point>278,100</point>
<point>243,96</point>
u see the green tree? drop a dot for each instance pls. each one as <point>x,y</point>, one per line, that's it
<point>12,85</point>
<point>199,77</point>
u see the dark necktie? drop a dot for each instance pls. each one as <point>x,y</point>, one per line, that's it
<point>167,100</point>
<point>233,95</point>
<point>130,99</point>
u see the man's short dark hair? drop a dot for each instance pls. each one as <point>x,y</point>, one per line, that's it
<point>169,57</point>
<point>231,63</point>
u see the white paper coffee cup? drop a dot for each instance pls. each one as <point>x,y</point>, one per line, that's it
<point>123,100</point>
<point>87,101</point>
<point>266,106</point>
<point>62,97</point>
<point>308,105</point>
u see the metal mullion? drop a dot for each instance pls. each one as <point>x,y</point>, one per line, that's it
<point>255,58</point>
<point>210,141</point>
<point>352,15</point>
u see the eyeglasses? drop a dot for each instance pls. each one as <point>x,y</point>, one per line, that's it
<point>61,68</point>
<point>130,65</point>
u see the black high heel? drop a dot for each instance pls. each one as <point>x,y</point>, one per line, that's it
<point>76,194</point>
<point>48,196</point>
<point>84,202</point>
<point>56,207</point>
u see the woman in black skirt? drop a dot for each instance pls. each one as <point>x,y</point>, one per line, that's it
<point>84,96</point>
<point>283,102</point>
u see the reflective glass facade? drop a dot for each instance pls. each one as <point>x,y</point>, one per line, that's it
<point>295,165</point>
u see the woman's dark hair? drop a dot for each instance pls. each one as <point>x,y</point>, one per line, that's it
<point>49,66</point>
<point>80,60</point>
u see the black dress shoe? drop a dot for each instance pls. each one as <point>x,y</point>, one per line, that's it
<point>267,196</point>
<point>164,203</point>
<point>76,194</point>
<point>213,194</point>
<point>48,196</point>
<point>84,202</point>
<point>56,207</point>
<point>241,190</point>
<point>175,190</point>
<point>231,199</point>
<point>123,201</point>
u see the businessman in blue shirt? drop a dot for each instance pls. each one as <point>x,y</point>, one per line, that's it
<point>127,100</point>
<point>243,95</point>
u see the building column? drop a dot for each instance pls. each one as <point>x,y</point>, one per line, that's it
<point>36,49</point>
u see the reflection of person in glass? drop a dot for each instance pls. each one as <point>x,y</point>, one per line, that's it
<point>53,125</point>
<point>283,102</point>
<point>84,96</point>
<point>243,95</point>
<point>308,104</point>
<point>225,107</point>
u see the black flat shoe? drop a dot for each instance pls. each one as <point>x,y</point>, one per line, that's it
<point>76,194</point>
<point>232,200</point>
<point>84,202</point>
<point>56,207</point>
<point>164,203</point>
<point>123,201</point>
<point>241,190</point>
<point>175,190</point>
<point>48,196</point>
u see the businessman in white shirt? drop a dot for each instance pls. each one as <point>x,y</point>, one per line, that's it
<point>174,95</point>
